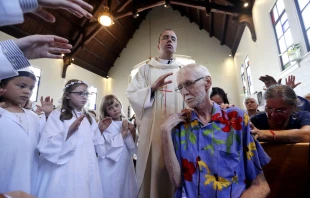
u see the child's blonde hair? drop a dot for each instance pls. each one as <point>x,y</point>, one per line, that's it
<point>107,101</point>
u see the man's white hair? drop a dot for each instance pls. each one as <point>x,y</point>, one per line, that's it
<point>248,98</point>
<point>197,71</point>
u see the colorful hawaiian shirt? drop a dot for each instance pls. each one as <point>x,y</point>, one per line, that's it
<point>220,158</point>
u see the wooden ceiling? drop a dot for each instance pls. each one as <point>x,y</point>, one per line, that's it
<point>96,47</point>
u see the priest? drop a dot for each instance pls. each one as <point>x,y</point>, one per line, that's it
<point>153,98</point>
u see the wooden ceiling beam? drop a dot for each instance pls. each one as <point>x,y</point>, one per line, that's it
<point>211,24</point>
<point>86,40</point>
<point>227,2</point>
<point>97,56</point>
<point>238,36</point>
<point>224,29</point>
<point>199,16</point>
<point>203,5</point>
<point>117,40</point>
<point>14,31</point>
<point>138,8</point>
<point>106,47</point>
<point>90,67</point>
<point>122,6</point>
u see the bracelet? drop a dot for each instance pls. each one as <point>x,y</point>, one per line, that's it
<point>273,134</point>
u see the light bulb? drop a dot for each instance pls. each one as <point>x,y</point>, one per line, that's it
<point>105,20</point>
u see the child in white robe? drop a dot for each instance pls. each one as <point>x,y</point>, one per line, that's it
<point>69,166</point>
<point>19,135</point>
<point>115,156</point>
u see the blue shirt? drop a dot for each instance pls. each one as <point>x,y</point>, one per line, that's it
<point>296,121</point>
<point>220,158</point>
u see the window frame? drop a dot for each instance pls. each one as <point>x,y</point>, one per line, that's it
<point>274,24</point>
<point>301,21</point>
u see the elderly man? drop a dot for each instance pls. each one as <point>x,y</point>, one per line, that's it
<point>251,106</point>
<point>208,151</point>
<point>152,97</point>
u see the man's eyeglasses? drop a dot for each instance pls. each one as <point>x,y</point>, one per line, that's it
<point>80,93</point>
<point>187,85</point>
<point>277,111</point>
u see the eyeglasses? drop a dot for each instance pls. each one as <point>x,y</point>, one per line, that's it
<point>277,111</point>
<point>80,93</point>
<point>187,85</point>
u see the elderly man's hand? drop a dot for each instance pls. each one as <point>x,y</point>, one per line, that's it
<point>43,46</point>
<point>257,134</point>
<point>226,106</point>
<point>77,7</point>
<point>172,121</point>
<point>269,80</point>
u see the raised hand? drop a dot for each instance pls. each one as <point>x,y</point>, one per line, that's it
<point>77,7</point>
<point>161,82</point>
<point>46,105</point>
<point>75,125</point>
<point>43,46</point>
<point>132,130</point>
<point>104,124</point>
<point>290,81</point>
<point>269,80</point>
<point>173,121</point>
<point>124,128</point>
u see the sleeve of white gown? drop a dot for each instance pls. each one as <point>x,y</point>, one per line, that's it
<point>53,145</point>
<point>108,146</point>
<point>139,94</point>
<point>130,143</point>
<point>42,123</point>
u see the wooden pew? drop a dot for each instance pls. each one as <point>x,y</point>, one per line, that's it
<point>288,173</point>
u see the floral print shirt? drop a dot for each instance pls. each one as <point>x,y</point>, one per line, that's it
<point>220,158</point>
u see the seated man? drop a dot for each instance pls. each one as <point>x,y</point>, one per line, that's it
<point>251,106</point>
<point>208,151</point>
<point>281,121</point>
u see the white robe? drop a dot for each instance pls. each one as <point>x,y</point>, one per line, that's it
<point>116,163</point>
<point>69,169</point>
<point>18,153</point>
<point>152,176</point>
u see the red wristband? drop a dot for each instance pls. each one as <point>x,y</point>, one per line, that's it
<point>273,134</point>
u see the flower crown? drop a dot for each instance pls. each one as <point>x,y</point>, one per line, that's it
<point>74,82</point>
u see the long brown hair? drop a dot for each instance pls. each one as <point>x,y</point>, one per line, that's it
<point>107,101</point>
<point>66,108</point>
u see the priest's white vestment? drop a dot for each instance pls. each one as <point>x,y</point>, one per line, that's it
<point>68,168</point>
<point>151,111</point>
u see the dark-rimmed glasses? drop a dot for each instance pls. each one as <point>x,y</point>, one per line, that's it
<point>80,93</point>
<point>187,85</point>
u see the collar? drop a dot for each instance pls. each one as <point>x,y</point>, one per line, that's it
<point>216,110</point>
<point>165,61</point>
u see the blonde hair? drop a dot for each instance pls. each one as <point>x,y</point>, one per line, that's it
<point>107,101</point>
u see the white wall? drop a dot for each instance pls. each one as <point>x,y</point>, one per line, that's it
<point>263,53</point>
<point>191,42</point>
<point>51,83</point>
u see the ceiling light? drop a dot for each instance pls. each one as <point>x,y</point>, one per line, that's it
<point>105,18</point>
<point>73,59</point>
<point>230,54</point>
<point>135,15</point>
<point>62,55</point>
<point>245,4</point>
